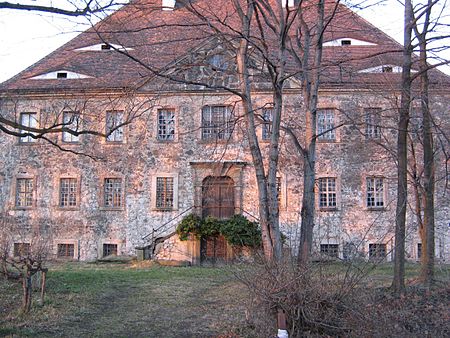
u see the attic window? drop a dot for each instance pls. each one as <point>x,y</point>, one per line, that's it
<point>346,42</point>
<point>218,62</point>
<point>386,69</point>
<point>105,47</point>
<point>61,75</point>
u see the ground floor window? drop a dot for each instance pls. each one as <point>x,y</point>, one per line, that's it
<point>109,249</point>
<point>331,250</point>
<point>377,251</point>
<point>21,249</point>
<point>66,250</point>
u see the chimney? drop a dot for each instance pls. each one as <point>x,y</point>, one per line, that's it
<point>168,5</point>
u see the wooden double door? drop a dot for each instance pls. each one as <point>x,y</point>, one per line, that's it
<point>217,201</point>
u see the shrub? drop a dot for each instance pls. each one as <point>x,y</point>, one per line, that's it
<point>238,230</point>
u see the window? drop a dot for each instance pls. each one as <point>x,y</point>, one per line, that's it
<point>66,250</point>
<point>267,124</point>
<point>326,125</point>
<point>216,123</point>
<point>375,192</point>
<point>113,120</point>
<point>166,124</point>
<point>329,249</point>
<point>377,251</point>
<point>109,249</point>
<point>218,62</point>
<point>61,75</point>
<point>419,250</point>
<point>164,193</point>
<point>28,120</point>
<point>346,42</point>
<point>387,69</point>
<point>327,193</point>
<point>68,192</point>
<point>105,47</point>
<point>22,249</point>
<point>373,123</point>
<point>113,193</point>
<point>24,192</point>
<point>72,122</point>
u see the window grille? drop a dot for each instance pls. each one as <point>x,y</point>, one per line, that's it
<point>164,193</point>
<point>68,192</point>
<point>327,193</point>
<point>166,124</point>
<point>217,123</point>
<point>113,193</point>
<point>326,125</point>
<point>24,192</point>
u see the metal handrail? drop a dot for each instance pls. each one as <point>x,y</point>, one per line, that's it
<point>169,221</point>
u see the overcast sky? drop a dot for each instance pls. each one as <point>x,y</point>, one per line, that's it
<point>27,37</point>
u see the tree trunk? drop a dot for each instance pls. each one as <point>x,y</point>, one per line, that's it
<point>398,283</point>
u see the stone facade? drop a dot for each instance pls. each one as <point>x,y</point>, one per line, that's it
<point>101,196</point>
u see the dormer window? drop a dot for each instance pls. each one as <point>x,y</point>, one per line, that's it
<point>346,42</point>
<point>387,69</point>
<point>61,75</point>
<point>105,47</point>
<point>218,62</point>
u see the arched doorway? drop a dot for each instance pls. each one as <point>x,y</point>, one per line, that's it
<point>218,202</point>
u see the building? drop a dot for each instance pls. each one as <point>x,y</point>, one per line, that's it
<point>175,146</point>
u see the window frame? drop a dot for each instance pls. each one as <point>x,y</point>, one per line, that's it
<point>377,194</point>
<point>28,139</point>
<point>327,193</point>
<point>118,135</point>
<point>325,248</point>
<point>58,246</point>
<point>166,125</point>
<point>321,128</point>
<point>374,252</point>
<point>76,193</point>
<point>210,133</point>
<point>372,123</point>
<point>104,206</point>
<point>72,138</point>
<point>154,191</point>
<point>19,246</point>
<point>266,125</point>
<point>32,193</point>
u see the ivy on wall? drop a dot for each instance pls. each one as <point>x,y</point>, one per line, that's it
<point>237,230</point>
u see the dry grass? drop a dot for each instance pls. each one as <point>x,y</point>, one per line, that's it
<point>86,300</point>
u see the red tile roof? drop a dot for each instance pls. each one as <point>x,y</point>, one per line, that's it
<point>156,39</point>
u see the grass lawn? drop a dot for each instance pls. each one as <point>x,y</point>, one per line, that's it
<point>115,300</point>
<point>125,300</point>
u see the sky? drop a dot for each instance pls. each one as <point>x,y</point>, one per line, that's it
<point>26,37</point>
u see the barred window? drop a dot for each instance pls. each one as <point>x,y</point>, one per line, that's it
<point>72,122</point>
<point>113,120</point>
<point>216,123</point>
<point>373,123</point>
<point>109,249</point>
<point>28,120</point>
<point>267,115</point>
<point>68,192</point>
<point>331,250</point>
<point>24,192</point>
<point>164,193</point>
<point>166,124</point>
<point>327,193</point>
<point>66,250</point>
<point>375,192</point>
<point>377,251</point>
<point>113,193</point>
<point>326,125</point>
<point>22,249</point>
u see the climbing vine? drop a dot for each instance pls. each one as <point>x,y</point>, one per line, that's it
<point>237,230</point>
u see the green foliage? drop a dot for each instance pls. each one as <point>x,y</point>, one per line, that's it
<point>189,225</point>
<point>237,230</point>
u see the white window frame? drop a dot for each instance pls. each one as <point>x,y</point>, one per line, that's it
<point>166,127</point>
<point>113,119</point>
<point>266,127</point>
<point>330,183</point>
<point>121,195</point>
<point>326,125</point>
<point>213,128</point>
<point>28,119</point>
<point>71,120</point>
<point>372,119</point>
<point>372,184</point>
<point>32,193</point>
